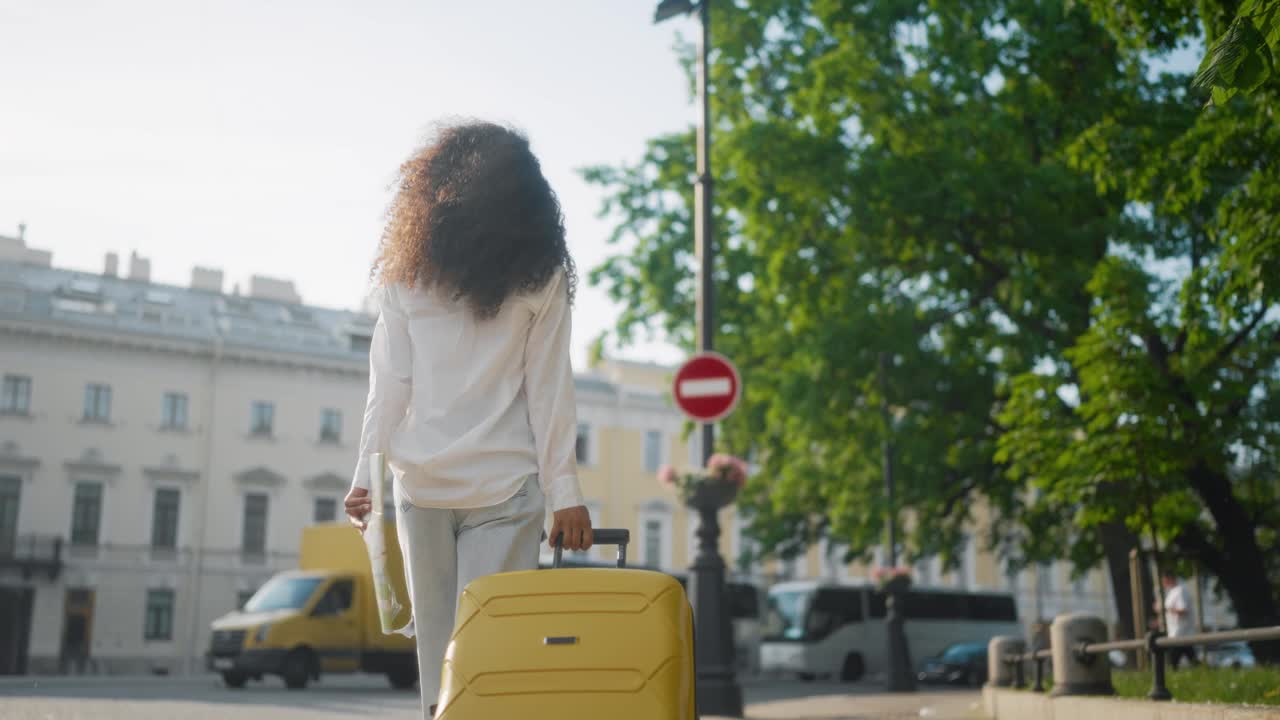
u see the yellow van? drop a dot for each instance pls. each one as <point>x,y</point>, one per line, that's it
<point>321,617</point>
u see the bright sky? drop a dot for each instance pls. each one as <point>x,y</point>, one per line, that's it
<point>261,137</point>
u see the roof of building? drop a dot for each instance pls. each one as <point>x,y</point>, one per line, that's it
<point>92,301</point>
<point>44,295</point>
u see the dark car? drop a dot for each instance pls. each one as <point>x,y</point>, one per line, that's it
<point>959,664</point>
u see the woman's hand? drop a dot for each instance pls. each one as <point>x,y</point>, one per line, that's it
<point>575,523</point>
<point>358,506</point>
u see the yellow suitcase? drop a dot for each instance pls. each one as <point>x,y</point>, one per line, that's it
<point>571,643</point>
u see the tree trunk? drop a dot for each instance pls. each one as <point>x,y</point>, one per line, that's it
<point>1117,541</point>
<point>1240,564</point>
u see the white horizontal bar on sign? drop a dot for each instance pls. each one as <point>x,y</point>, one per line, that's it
<point>710,387</point>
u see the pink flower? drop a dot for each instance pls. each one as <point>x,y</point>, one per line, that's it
<point>881,573</point>
<point>667,475</point>
<point>728,468</point>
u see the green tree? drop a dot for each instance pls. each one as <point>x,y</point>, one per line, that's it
<point>947,183</point>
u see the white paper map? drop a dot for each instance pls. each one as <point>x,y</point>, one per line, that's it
<point>388,572</point>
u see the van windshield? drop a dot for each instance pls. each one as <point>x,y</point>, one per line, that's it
<point>282,594</point>
<point>787,611</point>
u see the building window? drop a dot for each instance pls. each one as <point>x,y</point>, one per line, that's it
<point>173,412</point>
<point>330,425</point>
<point>164,523</point>
<point>789,567</point>
<point>652,450</point>
<point>653,543</point>
<point>582,445</point>
<point>924,571</point>
<point>1012,581</point>
<point>262,418</point>
<point>159,620</point>
<point>745,552</point>
<point>968,564</point>
<point>253,541</point>
<point>326,510</point>
<point>242,597</point>
<point>86,513</point>
<point>97,403</point>
<point>1044,577</point>
<point>10,496</point>
<point>15,395</point>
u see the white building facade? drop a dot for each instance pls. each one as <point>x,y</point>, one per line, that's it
<point>161,449</point>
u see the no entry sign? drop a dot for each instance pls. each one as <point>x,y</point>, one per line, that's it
<point>707,387</point>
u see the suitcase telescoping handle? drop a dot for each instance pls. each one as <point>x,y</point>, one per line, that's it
<point>611,536</point>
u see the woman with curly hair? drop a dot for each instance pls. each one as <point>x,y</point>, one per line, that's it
<point>471,395</point>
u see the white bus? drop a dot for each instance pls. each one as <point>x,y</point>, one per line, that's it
<point>822,629</point>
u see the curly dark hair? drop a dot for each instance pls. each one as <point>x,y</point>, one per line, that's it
<point>475,218</point>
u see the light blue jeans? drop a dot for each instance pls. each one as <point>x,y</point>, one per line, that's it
<point>446,549</point>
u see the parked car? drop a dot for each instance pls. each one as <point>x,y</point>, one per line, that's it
<point>1233,655</point>
<point>958,664</point>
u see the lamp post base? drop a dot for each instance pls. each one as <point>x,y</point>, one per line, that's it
<point>716,690</point>
<point>899,678</point>
<point>718,694</point>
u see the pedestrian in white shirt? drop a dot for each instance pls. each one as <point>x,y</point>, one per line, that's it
<point>471,393</point>
<point>1177,618</point>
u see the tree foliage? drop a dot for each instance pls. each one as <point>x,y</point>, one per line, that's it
<point>1068,262</point>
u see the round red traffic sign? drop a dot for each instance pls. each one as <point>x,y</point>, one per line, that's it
<point>707,387</point>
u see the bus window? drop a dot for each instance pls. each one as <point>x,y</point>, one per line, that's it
<point>877,604</point>
<point>832,609</point>
<point>920,605</point>
<point>999,608</point>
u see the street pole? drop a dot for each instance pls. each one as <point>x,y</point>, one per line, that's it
<point>716,689</point>
<point>899,677</point>
<point>702,217</point>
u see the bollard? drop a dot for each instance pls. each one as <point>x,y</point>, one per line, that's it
<point>1159,691</point>
<point>1075,673</point>
<point>999,672</point>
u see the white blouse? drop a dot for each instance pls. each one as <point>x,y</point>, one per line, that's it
<point>465,409</point>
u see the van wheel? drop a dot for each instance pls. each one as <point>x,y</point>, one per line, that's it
<point>234,679</point>
<point>853,668</point>
<point>297,669</point>
<point>403,678</point>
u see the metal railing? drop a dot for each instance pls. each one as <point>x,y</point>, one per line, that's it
<point>32,553</point>
<point>1155,643</point>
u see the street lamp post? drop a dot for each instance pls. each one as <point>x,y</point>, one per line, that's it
<point>899,677</point>
<point>716,689</point>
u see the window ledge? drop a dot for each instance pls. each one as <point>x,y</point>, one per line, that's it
<point>17,414</point>
<point>174,429</point>
<point>261,437</point>
<point>96,422</point>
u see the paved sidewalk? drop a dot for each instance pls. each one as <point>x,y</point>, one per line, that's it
<point>202,697</point>
<point>775,700</point>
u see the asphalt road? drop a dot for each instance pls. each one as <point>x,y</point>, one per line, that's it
<point>338,697</point>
